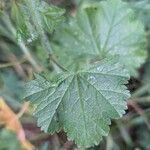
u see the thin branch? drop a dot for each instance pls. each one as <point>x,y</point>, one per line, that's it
<point>22,46</point>
<point>23,109</point>
<point>12,64</point>
<point>55,62</point>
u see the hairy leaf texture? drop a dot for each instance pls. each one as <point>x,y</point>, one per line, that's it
<point>83,103</point>
<point>35,17</point>
<point>104,28</point>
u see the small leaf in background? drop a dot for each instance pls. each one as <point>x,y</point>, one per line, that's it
<point>33,18</point>
<point>51,16</point>
<point>20,20</point>
<point>83,104</point>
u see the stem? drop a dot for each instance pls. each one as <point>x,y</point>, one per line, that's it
<point>109,142</point>
<point>26,51</point>
<point>22,46</point>
<point>55,62</point>
<point>11,64</point>
<point>23,109</point>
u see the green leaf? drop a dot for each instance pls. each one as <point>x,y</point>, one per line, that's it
<point>7,136</point>
<point>52,16</point>
<point>102,29</point>
<point>35,17</point>
<point>39,91</point>
<point>20,21</point>
<point>81,103</point>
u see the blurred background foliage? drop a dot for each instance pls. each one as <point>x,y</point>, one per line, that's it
<point>18,61</point>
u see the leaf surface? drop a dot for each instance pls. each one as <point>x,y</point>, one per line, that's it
<point>35,17</point>
<point>105,28</point>
<point>83,103</point>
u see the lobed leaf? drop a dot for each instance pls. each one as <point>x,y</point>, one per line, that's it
<point>35,17</point>
<point>83,103</point>
<point>102,29</point>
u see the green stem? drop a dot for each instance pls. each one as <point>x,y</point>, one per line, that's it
<point>55,62</point>
<point>22,46</point>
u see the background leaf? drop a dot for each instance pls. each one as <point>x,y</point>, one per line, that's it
<point>105,28</point>
<point>35,17</point>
